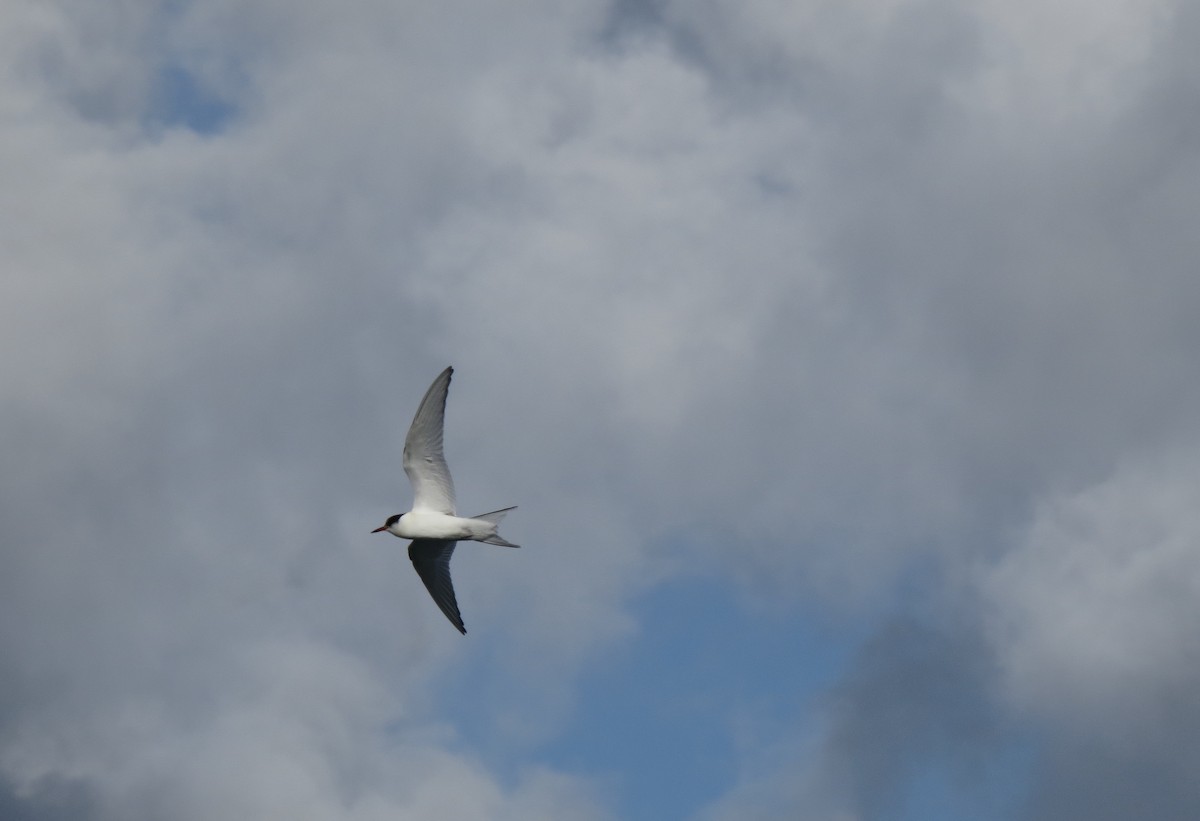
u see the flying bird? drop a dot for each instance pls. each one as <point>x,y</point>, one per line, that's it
<point>432,524</point>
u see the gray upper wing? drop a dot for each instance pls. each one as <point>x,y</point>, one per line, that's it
<point>424,461</point>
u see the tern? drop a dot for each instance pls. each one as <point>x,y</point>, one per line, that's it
<point>432,524</point>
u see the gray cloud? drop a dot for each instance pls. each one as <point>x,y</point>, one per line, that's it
<point>915,697</point>
<point>1090,615</point>
<point>47,800</point>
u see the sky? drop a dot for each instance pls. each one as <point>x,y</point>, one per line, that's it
<point>839,354</point>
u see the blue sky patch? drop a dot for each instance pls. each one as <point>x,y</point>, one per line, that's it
<point>182,101</point>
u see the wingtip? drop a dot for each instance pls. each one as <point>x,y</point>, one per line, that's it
<point>455,621</point>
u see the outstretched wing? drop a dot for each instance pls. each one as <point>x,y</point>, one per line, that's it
<point>431,558</point>
<point>424,462</point>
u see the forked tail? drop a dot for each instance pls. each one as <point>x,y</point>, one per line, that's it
<point>495,517</point>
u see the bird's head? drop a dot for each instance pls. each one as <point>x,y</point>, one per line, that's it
<point>391,520</point>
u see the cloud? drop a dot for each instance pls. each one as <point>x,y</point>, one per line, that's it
<point>1090,616</point>
<point>195,619</point>
<point>822,299</point>
<point>1090,609</point>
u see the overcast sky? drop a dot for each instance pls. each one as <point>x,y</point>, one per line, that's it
<point>841,355</point>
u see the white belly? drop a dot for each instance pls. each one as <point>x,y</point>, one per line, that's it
<point>427,524</point>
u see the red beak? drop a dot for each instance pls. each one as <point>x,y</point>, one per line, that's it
<point>376,530</point>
